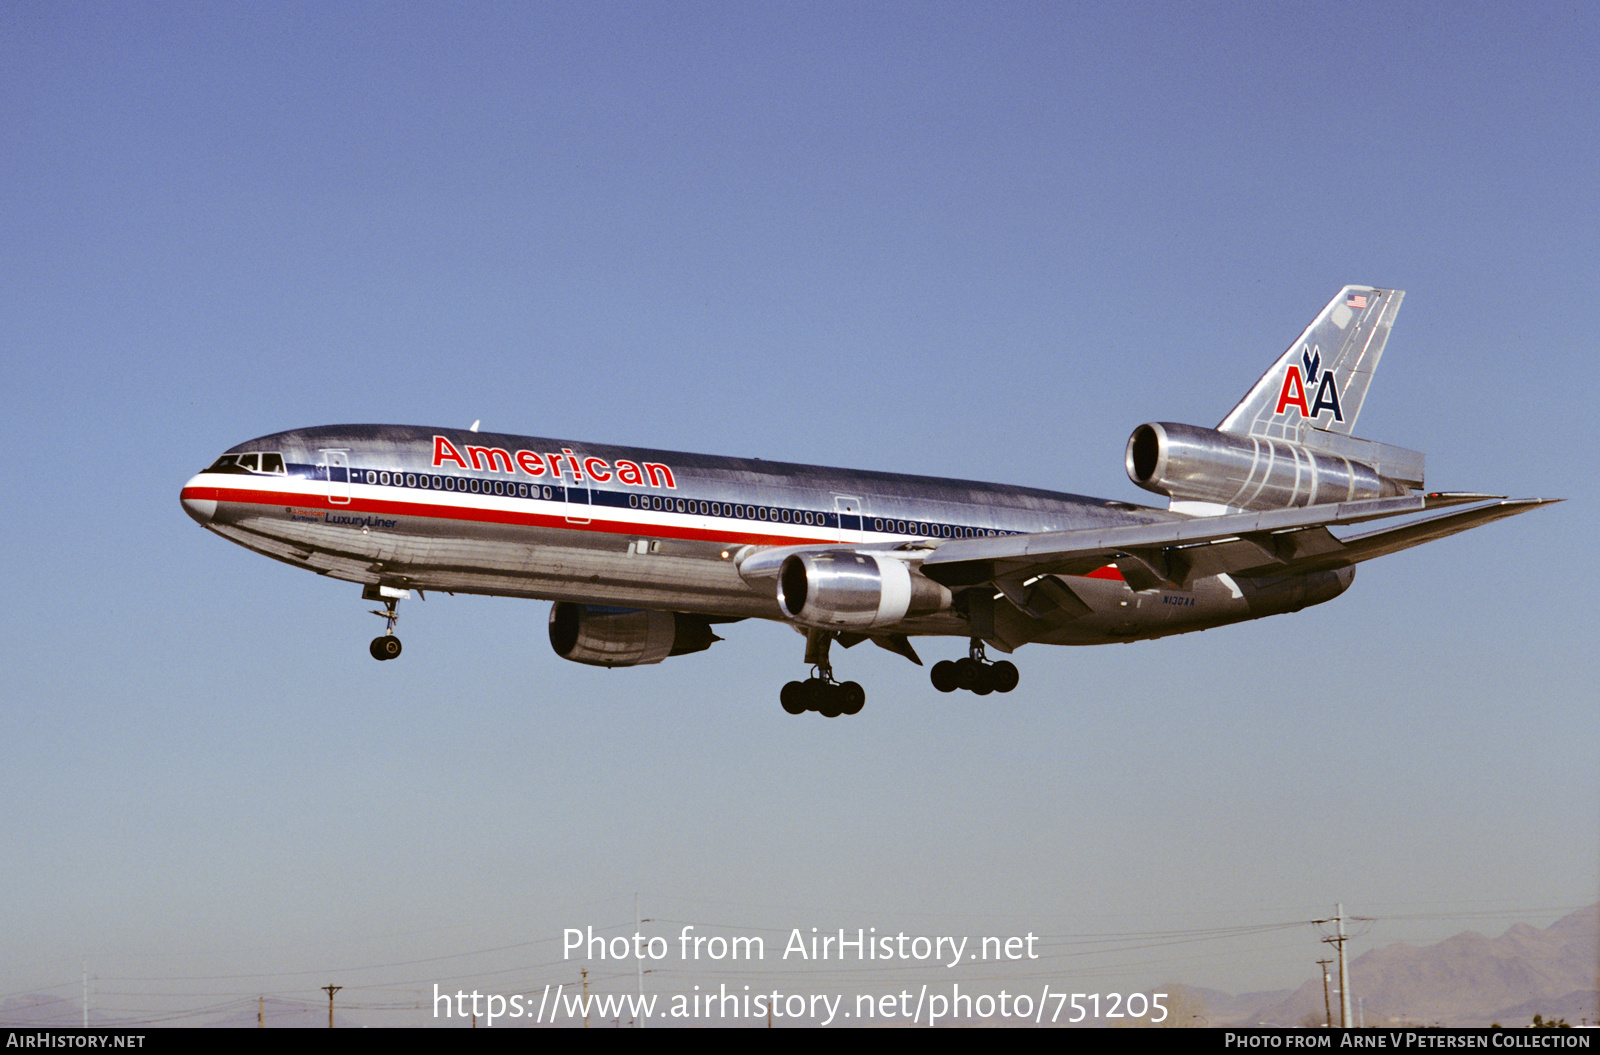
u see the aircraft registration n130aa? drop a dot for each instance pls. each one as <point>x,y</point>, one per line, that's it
<point>644,552</point>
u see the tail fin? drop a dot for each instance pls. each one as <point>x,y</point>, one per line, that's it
<point>1321,381</point>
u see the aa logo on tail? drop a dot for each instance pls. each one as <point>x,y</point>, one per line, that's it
<point>1297,382</point>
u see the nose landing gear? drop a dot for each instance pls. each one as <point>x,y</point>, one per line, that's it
<point>387,646</point>
<point>975,673</point>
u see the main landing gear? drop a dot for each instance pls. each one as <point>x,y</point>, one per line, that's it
<point>820,692</point>
<point>975,673</point>
<point>387,646</point>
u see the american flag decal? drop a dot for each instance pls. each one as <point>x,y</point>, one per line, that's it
<point>1356,300</point>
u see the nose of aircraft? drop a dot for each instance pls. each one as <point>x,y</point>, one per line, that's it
<point>199,502</point>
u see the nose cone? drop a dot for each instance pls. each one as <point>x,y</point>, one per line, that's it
<point>199,502</point>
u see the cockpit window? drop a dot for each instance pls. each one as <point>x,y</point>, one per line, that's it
<point>251,462</point>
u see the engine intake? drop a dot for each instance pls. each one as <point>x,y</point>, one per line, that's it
<point>624,637</point>
<point>851,590</point>
<point>1190,464</point>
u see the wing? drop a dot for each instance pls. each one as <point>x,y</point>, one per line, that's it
<point>1274,542</point>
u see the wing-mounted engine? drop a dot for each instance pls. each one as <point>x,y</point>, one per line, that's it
<point>625,637</point>
<point>1219,471</point>
<point>854,590</point>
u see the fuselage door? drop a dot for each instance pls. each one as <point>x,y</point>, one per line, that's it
<point>848,510</point>
<point>578,502</point>
<point>336,468</point>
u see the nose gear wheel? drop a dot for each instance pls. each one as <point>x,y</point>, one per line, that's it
<point>387,646</point>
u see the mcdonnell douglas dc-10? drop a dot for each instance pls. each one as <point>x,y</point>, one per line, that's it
<point>644,551</point>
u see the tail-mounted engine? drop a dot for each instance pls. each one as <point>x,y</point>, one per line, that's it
<point>625,637</point>
<point>851,590</point>
<point>1190,464</point>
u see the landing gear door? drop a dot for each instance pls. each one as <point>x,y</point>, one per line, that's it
<point>336,469</point>
<point>848,512</point>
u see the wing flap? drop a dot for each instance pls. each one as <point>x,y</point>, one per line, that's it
<point>967,562</point>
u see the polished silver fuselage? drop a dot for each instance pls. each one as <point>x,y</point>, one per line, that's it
<point>466,512</point>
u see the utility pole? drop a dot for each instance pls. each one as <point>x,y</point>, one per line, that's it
<point>586,998</point>
<point>1327,1009</point>
<point>330,990</point>
<point>261,1012</point>
<point>1344,971</point>
<point>1344,964</point>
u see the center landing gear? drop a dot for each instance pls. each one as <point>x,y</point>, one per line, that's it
<point>975,673</point>
<point>387,646</point>
<point>820,692</point>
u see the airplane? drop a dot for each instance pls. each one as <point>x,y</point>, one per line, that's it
<point>645,552</point>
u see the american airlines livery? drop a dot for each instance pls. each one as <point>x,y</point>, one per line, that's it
<point>645,552</point>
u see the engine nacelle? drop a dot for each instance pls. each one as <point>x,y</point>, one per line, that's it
<point>624,637</point>
<point>852,590</point>
<point>1192,464</point>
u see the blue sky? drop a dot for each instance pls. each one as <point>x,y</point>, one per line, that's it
<point>972,240</point>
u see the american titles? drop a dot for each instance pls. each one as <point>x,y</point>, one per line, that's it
<point>498,459</point>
